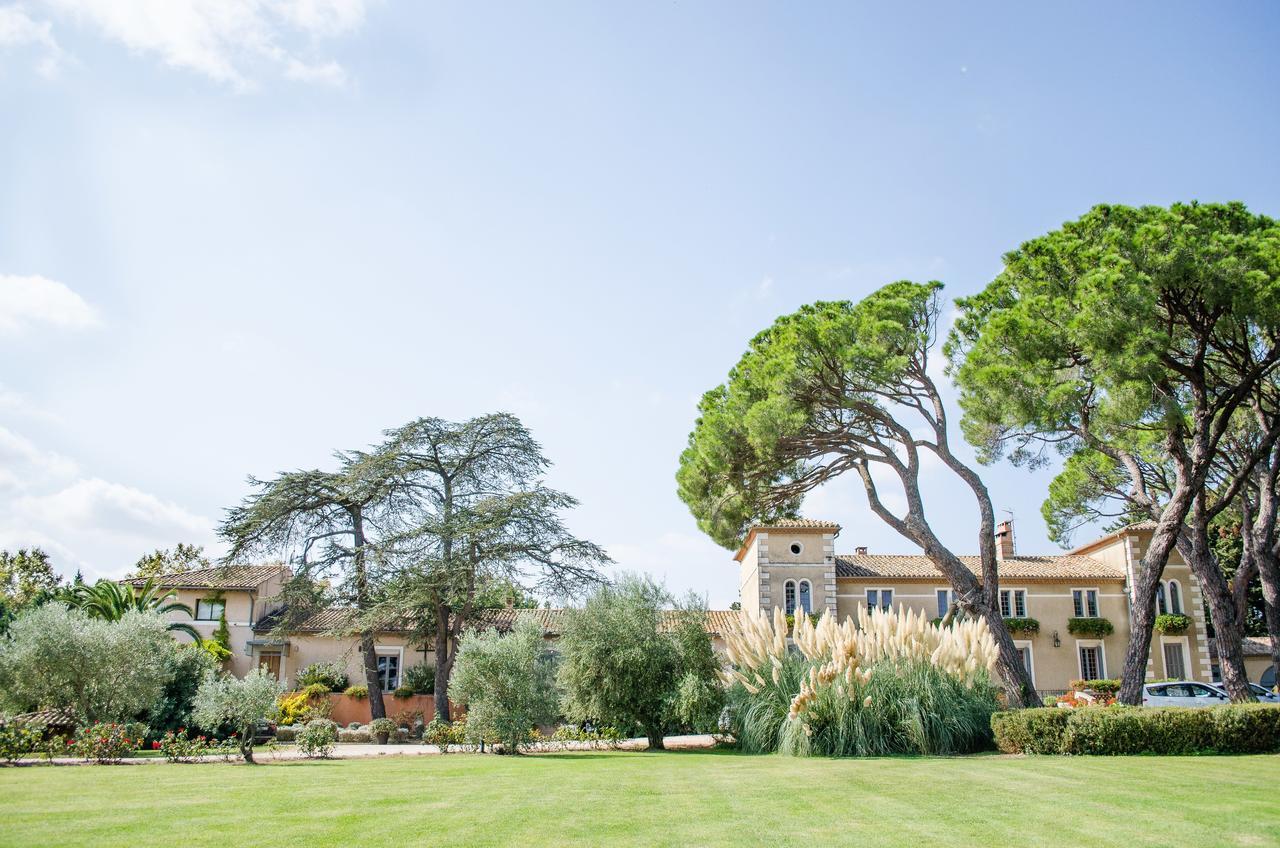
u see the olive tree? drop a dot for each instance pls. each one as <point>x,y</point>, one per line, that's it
<point>623,665</point>
<point>835,388</point>
<point>506,682</point>
<point>240,703</point>
<point>1132,338</point>
<point>103,671</point>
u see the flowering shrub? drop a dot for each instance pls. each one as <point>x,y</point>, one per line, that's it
<point>181,748</point>
<point>18,740</point>
<point>443,734</point>
<point>1076,699</point>
<point>308,703</point>
<point>315,741</point>
<point>891,682</point>
<point>103,743</point>
<point>1108,686</point>
<point>359,692</point>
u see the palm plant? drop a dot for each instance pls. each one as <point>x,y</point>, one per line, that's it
<point>109,601</point>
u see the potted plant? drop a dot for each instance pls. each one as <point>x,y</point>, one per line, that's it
<point>382,728</point>
<point>1172,623</point>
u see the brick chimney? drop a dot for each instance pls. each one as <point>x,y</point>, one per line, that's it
<point>1004,539</point>
<point>860,551</point>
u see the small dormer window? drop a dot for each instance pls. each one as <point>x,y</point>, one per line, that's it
<point>796,548</point>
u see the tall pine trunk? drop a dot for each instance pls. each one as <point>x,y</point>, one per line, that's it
<point>444,662</point>
<point>1146,580</point>
<point>377,705</point>
<point>1228,629</point>
<point>369,655</point>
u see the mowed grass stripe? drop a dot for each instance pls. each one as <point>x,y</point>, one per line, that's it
<point>676,798</point>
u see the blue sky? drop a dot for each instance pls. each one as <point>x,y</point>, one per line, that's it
<point>236,236</point>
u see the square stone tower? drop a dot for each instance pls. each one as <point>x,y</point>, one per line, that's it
<point>789,564</point>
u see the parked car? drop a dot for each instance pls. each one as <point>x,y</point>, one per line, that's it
<point>264,732</point>
<point>1266,696</point>
<point>1182,693</point>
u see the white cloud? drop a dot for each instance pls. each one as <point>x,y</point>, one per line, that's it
<point>96,502</point>
<point>29,301</point>
<point>18,29</point>
<point>100,526</point>
<point>84,522</point>
<point>228,41</point>
<point>24,464</point>
<point>15,403</point>
<point>330,73</point>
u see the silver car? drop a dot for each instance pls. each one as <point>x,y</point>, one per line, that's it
<point>1264,695</point>
<point>1182,693</point>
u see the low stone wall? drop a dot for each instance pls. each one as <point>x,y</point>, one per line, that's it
<point>346,709</point>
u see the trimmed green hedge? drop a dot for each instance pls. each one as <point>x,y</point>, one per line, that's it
<point>1098,627</point>
<point>1030,731</point>
<point>1228,729</point>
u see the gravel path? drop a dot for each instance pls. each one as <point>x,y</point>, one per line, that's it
<point>361,750</point>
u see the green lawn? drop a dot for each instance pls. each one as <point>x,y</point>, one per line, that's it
<point>690,798</point>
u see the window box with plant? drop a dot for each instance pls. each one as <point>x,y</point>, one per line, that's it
<point>1093,627</point>
<point>1172,623</point>
<point>1026,626</point>
<point>382,728</point>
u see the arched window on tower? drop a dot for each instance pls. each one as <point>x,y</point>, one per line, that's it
<point>806,597</point>
<point>1175,597</point>
<point>789,597</point>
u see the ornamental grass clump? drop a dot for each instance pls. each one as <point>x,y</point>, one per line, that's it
<point>891,682</point>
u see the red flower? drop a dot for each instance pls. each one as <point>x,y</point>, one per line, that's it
<point>155,745</point>
<point>71,741</point>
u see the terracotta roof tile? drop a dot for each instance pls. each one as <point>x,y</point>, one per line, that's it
<point>218,577</point>
<point>1018,568</point>
<point>331,618</point>
<point>797,524</point>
